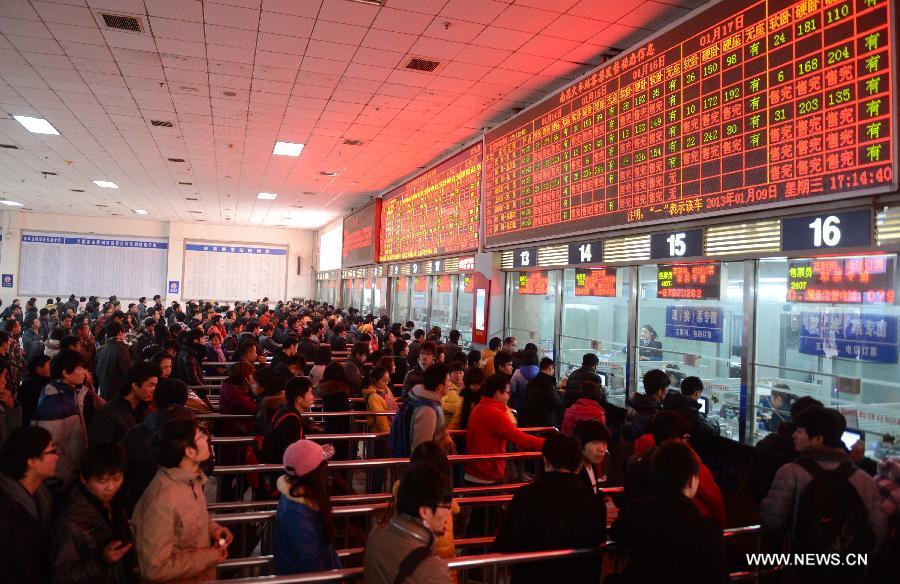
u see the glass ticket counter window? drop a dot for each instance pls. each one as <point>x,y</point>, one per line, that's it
<point>690,319</point>
<point>367,297</point>
<point>442,294</point>
<point>595,320</point>
<point>465,308</point>
<point>827,328</point>
<point>418,304</point>
<point>532,308</point>
<point>379,302</point>
<point>346,293</point>
<point>400,299</point>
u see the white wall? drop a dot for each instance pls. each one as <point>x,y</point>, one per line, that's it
<point>339,225</point>
<point>301,243</point>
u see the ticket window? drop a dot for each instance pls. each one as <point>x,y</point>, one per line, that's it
<point>379,302</point>
<point>418,303</point>
<point>346,293</point>
<point>690,323</point>
<point>465,308</point>
<point>828,328</point>
<point>595,320</point>
<point>400,299</point>
<point>367,297</point>
<point>531,312</point>
<point>442,295</point>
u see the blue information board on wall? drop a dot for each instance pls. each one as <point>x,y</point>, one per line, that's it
<point>849,334</point>
<point>695,323</point>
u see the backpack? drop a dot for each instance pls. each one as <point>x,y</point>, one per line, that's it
<point>831,517</point>
<point>400,436</point>
<point>260,451</point>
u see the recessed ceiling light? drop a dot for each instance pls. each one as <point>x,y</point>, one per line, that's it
<point>191,199</point>
<point>188,89</point>
<point>9,146</point>
<point>287,149</point>
<point>176,160</point>
<point>36,125</point>
<point>140,211</point>
<point>77,190</point>
<point>328,173</point>
<point>11,203</point>
<point>106,184</point>
<point>229,93</point>
<point>267,196</point>
<point>182,182</point>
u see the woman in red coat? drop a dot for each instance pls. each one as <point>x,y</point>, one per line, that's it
<point>586,408</point>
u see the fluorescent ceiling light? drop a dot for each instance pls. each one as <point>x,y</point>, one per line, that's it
<point>267,196</point>
<point>36,125</point>
<point>287,149</point>
<point>140,211</point>
<point>106,184</point>
<point>11,203</point>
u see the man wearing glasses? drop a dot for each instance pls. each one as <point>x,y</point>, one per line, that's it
<point>175,539</point>
<point>27,459</point>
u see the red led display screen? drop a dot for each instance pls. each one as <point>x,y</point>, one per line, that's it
<point>749,102</point>
<point>599,282</point>
<point>420,284</point>
<point>435,213</point>
<point>533,283</point>
<point>361,236</point>
<point>856,280</point>
<point>696,281</point>
<point>443,283</point>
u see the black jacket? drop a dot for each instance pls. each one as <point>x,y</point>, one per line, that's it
<point>770,454</point>
<point>702,430</point>
<point>413,378</point>
<point>554,512</point>
<point>308,349</point>
<point>187,365</point>
<point>671,541</point>
<point>543,405</point>
<point>112,363</point>
<point>336,398</point>
<point>29,393</point>
<point>574,381</point>
<point>80,533</point>
<point>25,522</point>
<point>642,411</point>
<point>114,420</point>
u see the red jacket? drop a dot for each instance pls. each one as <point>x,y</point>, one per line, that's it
<point>583,409</point>
<point>489,428</point>
<point>708,498</point>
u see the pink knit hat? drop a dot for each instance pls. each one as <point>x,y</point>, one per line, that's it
<point>304,456</point>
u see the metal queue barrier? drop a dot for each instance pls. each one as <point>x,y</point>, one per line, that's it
<point>495,564</point>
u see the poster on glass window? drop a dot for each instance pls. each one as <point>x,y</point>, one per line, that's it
<point>849,334</point>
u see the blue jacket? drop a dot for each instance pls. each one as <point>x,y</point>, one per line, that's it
<point>300,545</point>
<point>518,387</point>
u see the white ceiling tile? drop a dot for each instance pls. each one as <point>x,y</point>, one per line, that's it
<point>527,63</point>
<point>62,13</point>
<point>435,48</point>
<point>482,55</point>
<point>334,31</point>
<point>328,50</point>
<point>182,48</point>
<point>269,59</point>
<point>24,27</point>
<point>285,24</point>
<point>184,62</point>
<point>612,11</point>
<point>18,9</point>
<point>36,45</point>
<point>78,34</point>
<point>97,52</point>
<point>619,36</point>
<point>458,30</point>
<point>348,12</point>
<point>468,71</point>
<point>281,43</point>
<point>232,37</point>
<point>368,72</point>
<point>525,18</point>
<point>308,8</point>
<point>176,29</point>
<point>481,11</point>
<point>585,53</point>
<point>231,16</point>
<point>275,73</point>
<point>652,15</point>
<point>502,38</point>
<point>315,65</point>
<point>381,58</point>
<point>389,41</point>
<point>574,28</point>
<point>404,21</point>
<point>129,40</point>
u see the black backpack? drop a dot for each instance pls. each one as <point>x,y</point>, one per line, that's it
<point>832,519</point>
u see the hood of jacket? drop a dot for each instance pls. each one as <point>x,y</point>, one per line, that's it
<point>37,506</point>
<point>643,402</point>
<point>824,454</point>
<point>420,392</point>
<point>677,400</point>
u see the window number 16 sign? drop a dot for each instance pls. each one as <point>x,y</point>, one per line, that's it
<point>841,229</point>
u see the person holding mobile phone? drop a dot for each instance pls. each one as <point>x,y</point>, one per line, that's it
<point>91,540</point>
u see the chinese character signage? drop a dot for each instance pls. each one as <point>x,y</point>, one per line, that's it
<point>744,104</point>
<point>849,280</point>
<point>533,283</point>
<point>443,283</point>
<point>360,236</point>
<point>7,280</point>
<point>173,286</point>
<point>420,284</point>
<point>402,284</point>
<point>694,281</point>
<point>597,282</point>
<point>849,334</point>
<point>695,323</point>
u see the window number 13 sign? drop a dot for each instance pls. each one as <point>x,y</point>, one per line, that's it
<point>525,258</point>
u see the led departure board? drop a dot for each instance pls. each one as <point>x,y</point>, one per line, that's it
<point>533,283</point>
<point>697,281</point>
<point>361,236</point>
<point>402,284</point>
<point>749,102</point>
<point>848,280</point>
<point>435,213</point>
<point>420,284</point>
<point>443,283</point>
<point>598,282</point>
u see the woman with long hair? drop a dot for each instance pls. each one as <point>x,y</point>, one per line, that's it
<point>304,524</point>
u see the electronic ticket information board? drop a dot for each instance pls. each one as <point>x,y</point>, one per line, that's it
<point>360,236</point>
<point>436,212</point>
<point>746,103</point>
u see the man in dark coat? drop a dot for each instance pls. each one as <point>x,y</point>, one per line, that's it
<point>120,414</point>
<point>670,539</point>
<point>543,405</point>
<point>587,372</point>
<point>644,407</point>
<point>555,512</point>
<point>686,403</point>
<point>112,362</point>
<point>188,364</point>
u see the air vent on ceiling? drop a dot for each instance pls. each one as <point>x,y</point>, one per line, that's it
<point>77,190</point>
<point>328,173</point>
<point>10,146</point>
<point>191,199</point>
<point>353,142</point>
<point>161,123</point>
<point>181,182</point>
<point>121,22</point>
<point>176,160</point>
<point>421,64</point>
<point>196,212</point>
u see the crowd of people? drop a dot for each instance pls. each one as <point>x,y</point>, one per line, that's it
<point>103,461</point>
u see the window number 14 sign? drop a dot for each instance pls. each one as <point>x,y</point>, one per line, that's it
<point>586,252</point>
